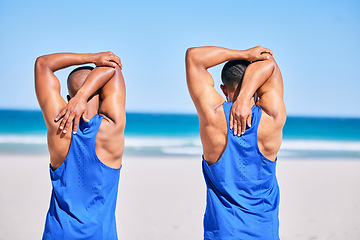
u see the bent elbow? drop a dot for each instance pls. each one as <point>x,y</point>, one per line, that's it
<point>111,71</point>
<point>117,70</point>
<point>40,61</point>
<point>270,64</point>
<point>191,54</point>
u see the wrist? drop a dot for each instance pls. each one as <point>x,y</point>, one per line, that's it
<point>243,97</point>
<point>238,55</point>
<point>92,58</point>
<point>81,95</point>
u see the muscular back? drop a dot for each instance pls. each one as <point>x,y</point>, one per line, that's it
<point>106,149</point>
<point>272,120</point>
<point>109,144</point>
<point>212,121</point>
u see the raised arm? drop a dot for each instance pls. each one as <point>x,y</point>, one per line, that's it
<point>113,96</point>
<point>47,86</point>
<point>199,80</point>
<point>77,104</point>
<point>264,78</point>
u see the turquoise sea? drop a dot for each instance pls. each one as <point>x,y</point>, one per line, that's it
<point>178,134</point>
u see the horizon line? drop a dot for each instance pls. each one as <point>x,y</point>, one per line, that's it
<point>195,114</point>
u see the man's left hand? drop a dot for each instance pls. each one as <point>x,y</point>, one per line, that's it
<point>240,115</point>
<point>72,112</point>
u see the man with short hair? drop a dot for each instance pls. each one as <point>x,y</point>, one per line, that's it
<point>239,161</point>
<point>85,142</point>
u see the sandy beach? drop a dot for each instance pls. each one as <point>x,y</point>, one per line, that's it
<point>164,198</point>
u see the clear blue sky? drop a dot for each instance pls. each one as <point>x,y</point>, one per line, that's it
<point>316,44</point>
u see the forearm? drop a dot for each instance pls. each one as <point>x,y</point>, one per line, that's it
<point>94,81</point>
<point>256,74</point>
<point>59,61</point>
<point>210,56</point>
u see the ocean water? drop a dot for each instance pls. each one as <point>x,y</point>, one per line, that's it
<point>178,134</point>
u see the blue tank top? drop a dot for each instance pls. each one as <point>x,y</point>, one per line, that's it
<point>84,193</point>
<point>242,189</point>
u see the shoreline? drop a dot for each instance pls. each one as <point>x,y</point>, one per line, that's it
<point>163,197</point>
<point>191,147</point>
<point>128,154</point>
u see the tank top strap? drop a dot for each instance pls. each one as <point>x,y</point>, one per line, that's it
<point>227,108</point>
<point>90,129</point>
<point>256,116</point>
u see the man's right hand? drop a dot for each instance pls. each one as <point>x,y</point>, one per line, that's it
<point>258,54</point>
<point>107,59</point>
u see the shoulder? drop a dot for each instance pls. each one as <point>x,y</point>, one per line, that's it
<point>111,126</point>
<point>213,132</point>
<point>50,110</point>
<point>212,115</point>
<point>273,119</point>
<point>269,134</point>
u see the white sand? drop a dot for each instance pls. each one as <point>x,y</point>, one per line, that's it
<point>164,198</point>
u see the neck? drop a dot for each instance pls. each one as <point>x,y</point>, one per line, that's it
<point>92,107</point>
<point>233,96</point>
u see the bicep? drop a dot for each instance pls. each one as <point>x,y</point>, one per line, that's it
<point>113,96</point>
<point>201,88</point>
<point>47,88</point>
<point>271,98</point>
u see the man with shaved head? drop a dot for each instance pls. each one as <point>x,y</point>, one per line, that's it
<point>85,141</point>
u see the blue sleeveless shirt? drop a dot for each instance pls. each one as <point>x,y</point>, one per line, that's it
<point>242,189</point>
<point>83,199</point>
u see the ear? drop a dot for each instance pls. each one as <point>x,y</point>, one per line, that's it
<point>224,89</point>
<point>68,97</point>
